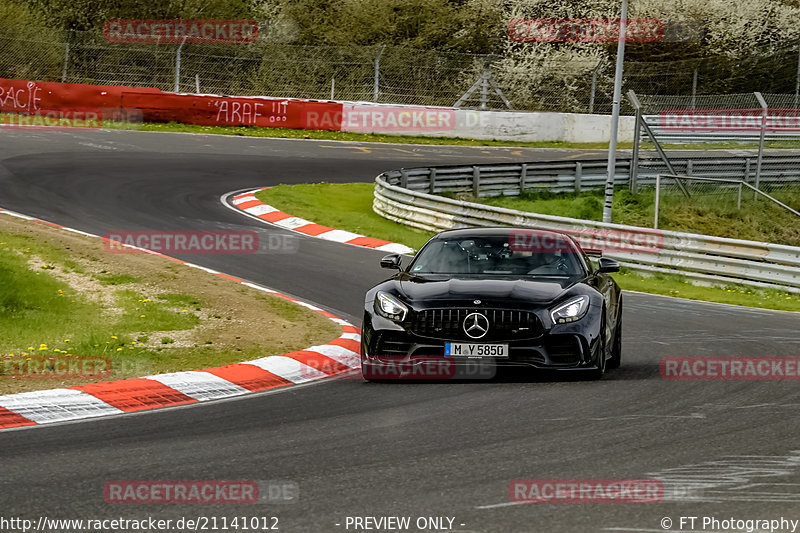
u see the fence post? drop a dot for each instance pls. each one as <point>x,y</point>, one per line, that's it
<point>476,180</point>
<point>485,86</point>
<point>197,83</point>
<point>523,174</point>
<point>594,88</point>
<point>432,183</point>
<point>658,195</point>
<point>739,200</point>
<point>694,88</point>
<point>797,84</point>
<point>178,66</point>
<point>333,86</point>
<point>689,167</point>
<point>633,177</point>
<point>377,74</point>
<point>578,175</point>
<point>764,108</point>
<point>747,162</point>
<point>66,62</point>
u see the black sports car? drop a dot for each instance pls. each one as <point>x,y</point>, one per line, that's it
<point>504,296</point>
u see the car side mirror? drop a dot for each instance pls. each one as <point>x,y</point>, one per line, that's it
<point>391,261</point>
<point>608,265</point>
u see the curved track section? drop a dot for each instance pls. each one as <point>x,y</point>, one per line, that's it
<point>410,449</point>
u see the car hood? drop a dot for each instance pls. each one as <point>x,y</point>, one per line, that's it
<point>502,291</point>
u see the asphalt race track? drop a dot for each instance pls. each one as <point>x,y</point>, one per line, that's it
<point>409,449</point>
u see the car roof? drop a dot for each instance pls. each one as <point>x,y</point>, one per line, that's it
<point>496,231</point>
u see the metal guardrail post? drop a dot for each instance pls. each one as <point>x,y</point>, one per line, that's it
<point>523,174</point>
<point>476,180</point>
<point>578,175</point>
<point>432,184</point>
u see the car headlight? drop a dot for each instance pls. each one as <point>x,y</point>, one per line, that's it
<point>390,307</point>
<point>571,310</point>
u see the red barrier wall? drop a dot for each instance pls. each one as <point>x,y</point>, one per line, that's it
<point>154,105</point>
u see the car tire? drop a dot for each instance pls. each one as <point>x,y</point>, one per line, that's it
<point>597,373</point>
<point>616,350</point>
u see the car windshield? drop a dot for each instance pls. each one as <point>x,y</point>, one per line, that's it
<point>494,256</point>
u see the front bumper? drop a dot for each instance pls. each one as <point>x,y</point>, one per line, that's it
<point>567,347</point>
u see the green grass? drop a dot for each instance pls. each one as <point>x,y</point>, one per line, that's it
<point>107,278</point>
<point>144,314</point>
<point>35,307</point>
<point>679,287</point>
<point>352,211</point>
<point>707,215</point>
<point>346,206</point>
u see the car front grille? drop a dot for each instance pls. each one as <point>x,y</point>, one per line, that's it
<point>504,324</point>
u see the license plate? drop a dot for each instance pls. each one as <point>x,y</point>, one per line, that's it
<point>455,349</point>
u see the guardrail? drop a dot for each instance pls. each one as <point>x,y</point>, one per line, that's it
<point>399,196</point>
<point>561,176</point>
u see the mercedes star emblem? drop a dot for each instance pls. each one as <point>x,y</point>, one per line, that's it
<point>476,325</point>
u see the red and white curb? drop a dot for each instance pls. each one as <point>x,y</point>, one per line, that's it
<point>181,388</point>
<point>248,203</point>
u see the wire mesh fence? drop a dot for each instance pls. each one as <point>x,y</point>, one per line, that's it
<point>387,74</point>
<point>701,203</point>
<point>753,118</point>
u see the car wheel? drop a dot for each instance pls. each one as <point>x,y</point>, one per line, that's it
<point>616,350</point>
<point>597,373</point>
